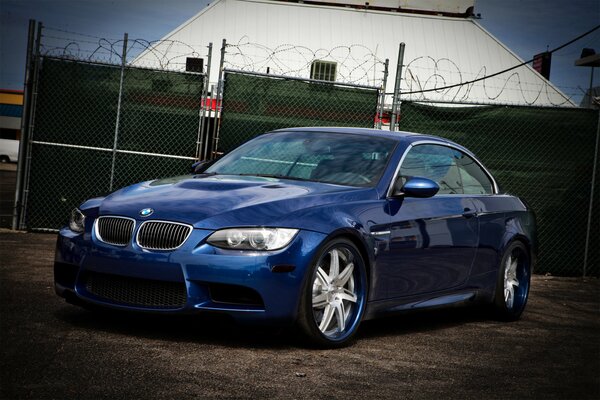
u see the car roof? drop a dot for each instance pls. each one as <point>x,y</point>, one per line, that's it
<point>397,135</point>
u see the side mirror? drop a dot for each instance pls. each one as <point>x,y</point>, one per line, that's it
<point>418,187</point>
<point>200,166</point>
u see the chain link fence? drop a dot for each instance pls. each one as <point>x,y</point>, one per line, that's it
<point>98,123</point>
<point>543,155</point>
<point>96,127</point>
<point>262,89</point>
<point>255,104</point>
<point>354,64</point>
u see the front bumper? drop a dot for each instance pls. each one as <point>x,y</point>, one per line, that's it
<point>196,277</point>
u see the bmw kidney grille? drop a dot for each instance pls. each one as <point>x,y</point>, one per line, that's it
<point>162,235</point>
<point>152,235</point>
<point>115,230</point>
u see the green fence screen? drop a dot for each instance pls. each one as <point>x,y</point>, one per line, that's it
<point>75,126</point>
<point>255,104</point>
<point>543,155</point>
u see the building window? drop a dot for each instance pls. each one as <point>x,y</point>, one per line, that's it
<point>323,70</point>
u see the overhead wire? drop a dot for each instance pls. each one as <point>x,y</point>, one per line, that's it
<point>503,71</point>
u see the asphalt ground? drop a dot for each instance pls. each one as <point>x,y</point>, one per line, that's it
<point>50,349</point>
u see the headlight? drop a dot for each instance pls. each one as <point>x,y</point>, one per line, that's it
<point>252,238</point>
<point>77,221</point>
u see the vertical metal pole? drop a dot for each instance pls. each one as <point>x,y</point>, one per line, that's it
<point>206,142</point>
<point>219,102</point>
<point>200,119</point>
<point>24,124</point>
<point>589,223</point>
<point>203,107</point>
<point>396,100</point>
<point>382,100</point>
<point>30,125</point>
<point>590,96</point>
<point>117,122</point>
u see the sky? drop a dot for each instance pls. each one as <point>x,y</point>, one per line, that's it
<point>527,27</point>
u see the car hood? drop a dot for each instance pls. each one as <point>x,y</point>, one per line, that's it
<point>213,202</point>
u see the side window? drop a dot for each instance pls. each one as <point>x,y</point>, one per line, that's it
<point>474,179</point>
<point>434,162</point>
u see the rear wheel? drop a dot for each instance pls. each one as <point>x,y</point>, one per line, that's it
<point>334,297</point>
<point>512,287</point>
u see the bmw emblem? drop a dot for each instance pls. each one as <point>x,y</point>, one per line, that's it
<point>146,212</point>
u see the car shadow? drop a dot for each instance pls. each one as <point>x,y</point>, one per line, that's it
<point>221,330</point>
<point>421,321</point>
<point>214,329</point>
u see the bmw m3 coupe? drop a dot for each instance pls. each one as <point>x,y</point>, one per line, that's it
<point>317,228</point>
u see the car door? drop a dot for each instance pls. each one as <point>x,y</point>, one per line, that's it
<point>433,240</point>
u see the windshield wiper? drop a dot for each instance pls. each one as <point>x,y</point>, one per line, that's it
<point>204,174</point>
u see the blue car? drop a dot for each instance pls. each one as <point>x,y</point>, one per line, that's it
<point>318,228</point>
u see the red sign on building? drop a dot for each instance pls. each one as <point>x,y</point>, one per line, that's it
<point>541,63</point>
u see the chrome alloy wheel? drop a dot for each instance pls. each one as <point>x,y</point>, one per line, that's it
<point>512,287</point>
<point>334,293</point>
<point>511,283</point>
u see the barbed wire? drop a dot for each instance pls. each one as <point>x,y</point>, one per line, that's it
<point>424,78</point>
<point>465,74</point>
<point>356,64</point>
<point>447,87</point>
<point>445,80</point>
<point>159,54</point>
<point>165,53</point>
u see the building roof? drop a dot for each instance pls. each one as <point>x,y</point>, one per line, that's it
<point>284,38</point>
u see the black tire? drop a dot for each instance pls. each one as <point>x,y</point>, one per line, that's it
<point>319,330</point>
<point>515,266</point>
<point>4,159</point>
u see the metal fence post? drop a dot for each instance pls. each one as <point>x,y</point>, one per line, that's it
<point>396,99</point>
<point>27,86</point>
<point>203,106</point>
<point>30,126</point>
<point>207,154</point>
<point>382,97</point>
<point>589,222</point>
<point>591,89</point>
<point>117,122</point>
<point>218,104</point>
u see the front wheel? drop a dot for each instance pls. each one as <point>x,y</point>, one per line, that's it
<point>334,297</point>
<point>512,287</point>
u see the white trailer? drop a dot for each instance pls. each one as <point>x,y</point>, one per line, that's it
<point>9,150</point>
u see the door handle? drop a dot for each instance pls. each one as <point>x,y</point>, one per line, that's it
<point>468,213</point>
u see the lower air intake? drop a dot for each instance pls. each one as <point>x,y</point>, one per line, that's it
<point>136,292</point>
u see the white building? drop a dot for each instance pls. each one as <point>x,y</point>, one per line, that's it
<point>350,41</point>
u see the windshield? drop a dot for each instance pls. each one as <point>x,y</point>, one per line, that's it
<point>338,158</point>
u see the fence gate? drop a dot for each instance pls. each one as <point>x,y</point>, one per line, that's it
<point>98,127</point>
<point>256,103</point>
